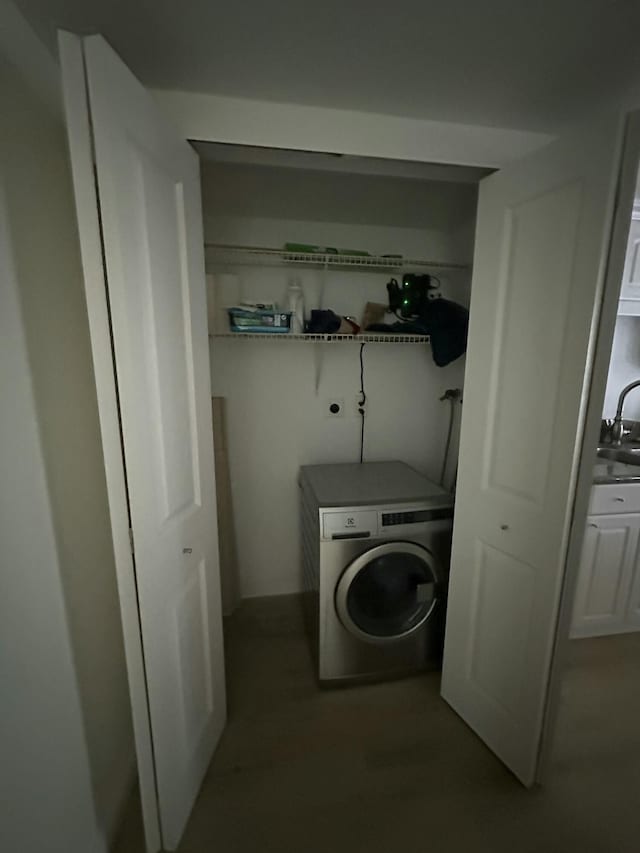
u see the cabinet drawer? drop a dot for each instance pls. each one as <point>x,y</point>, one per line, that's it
<point>629,306</point>
<point>613,498</point>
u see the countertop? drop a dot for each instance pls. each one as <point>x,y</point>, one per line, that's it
<point>611,471</point>
<point>606,471</point>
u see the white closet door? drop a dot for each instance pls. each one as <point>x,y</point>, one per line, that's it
<point>151,230</point>
<point>542,235</point>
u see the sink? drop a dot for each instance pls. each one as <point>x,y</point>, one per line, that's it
<point>627,455</point>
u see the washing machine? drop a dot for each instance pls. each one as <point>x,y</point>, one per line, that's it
<point>376,542</point>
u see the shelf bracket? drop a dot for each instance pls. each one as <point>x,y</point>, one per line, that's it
<point>319,353</point>
<point>319,364</point>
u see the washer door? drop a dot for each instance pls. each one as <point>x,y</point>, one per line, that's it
<point>388,592</point>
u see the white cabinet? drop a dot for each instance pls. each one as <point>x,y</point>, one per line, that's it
<point>630,293</point>
<point>615,499</point>
<point>632,620</point>
<point>607,597</point>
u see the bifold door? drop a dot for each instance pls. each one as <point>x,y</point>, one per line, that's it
<point>541,245</point>
<point>142,248</point>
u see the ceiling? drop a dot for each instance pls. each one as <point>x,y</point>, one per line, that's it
<point>501,63</point>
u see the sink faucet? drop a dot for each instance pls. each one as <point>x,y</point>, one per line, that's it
<point>617,430</point>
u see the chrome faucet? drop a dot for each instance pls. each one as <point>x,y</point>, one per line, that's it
<point>617,429</point>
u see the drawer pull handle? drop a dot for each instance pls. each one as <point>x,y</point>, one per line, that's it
<point>591,524</point>
<point>619,500</point>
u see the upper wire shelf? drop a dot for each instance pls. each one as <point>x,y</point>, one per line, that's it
<point>256,255</point>
<point>366,338</point>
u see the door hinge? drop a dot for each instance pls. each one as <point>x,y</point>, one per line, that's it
<point>131,541</point>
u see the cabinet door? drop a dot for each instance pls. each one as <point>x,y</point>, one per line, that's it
<point>608,558</point>
<point>630,292</point>
<point>632,616</point>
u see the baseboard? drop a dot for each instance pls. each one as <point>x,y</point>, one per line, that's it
<point>272,594</point>
<point>603,631</point>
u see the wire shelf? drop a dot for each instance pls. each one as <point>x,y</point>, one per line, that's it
<point>257,256</point>
<point>367,338</point>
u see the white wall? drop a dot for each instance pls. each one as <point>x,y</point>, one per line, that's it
<point>624,368</point>
<point>277,420</point>
<point>244,121</point>
<point>45,782</point>
<point>68,761</point>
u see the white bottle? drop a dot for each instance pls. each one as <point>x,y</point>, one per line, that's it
<point>296,307</point>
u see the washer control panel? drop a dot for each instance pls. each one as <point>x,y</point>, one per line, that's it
<point>369,523</point>
<point>390,519</point>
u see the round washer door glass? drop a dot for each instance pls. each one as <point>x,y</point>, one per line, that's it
<point>388,592</point>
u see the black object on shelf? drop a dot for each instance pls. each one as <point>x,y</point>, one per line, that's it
<point>323,321</point>
<point>447,324</point>
<point>412,297</point>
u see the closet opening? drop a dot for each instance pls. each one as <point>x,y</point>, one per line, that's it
<point>331,404</point>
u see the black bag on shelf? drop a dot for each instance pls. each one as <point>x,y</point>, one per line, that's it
<point>447,324</point>
<point>323,322</point>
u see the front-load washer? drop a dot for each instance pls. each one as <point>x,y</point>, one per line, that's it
<point>376,541</point>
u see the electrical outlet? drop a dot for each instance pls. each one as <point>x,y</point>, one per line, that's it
<point>334,407</point>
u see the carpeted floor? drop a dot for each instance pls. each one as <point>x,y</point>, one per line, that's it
<point>389,767</point>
